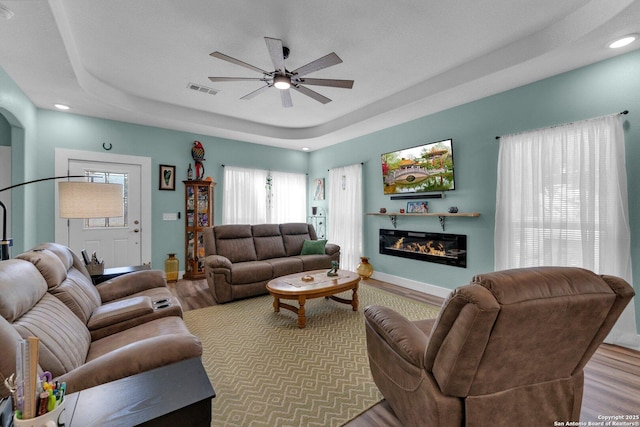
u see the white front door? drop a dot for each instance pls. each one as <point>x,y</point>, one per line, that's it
<point>114,240</point>
<point>123,241</point>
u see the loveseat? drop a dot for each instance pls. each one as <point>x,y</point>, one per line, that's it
<point>43,293</point>
<point>242,258</point>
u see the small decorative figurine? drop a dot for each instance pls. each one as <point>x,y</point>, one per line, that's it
<point>453,209</point>
<point>197,152</point>
<point>334,269</point>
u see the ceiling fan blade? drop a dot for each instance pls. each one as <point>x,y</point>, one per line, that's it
<point>320,63</point>
<point>276,53</point>
<point>256,92</point>
<point>345,84</point>
<point>227,58</point>
<point>311,94</point>
<point>236,79</point>
<point>285,95</point>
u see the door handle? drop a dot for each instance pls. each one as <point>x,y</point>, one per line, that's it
<point>136,230</point>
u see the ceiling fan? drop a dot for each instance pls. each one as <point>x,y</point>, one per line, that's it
<point>283,79</point>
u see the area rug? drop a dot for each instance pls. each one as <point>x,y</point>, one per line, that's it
<point>268,372</point>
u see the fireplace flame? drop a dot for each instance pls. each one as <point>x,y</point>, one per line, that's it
<point>428,248</point>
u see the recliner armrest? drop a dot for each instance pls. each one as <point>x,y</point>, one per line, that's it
<point>217,261</point>
<point>331,248</point>
<point>119,311</point>
<point>398,332</point>
<point>141,356</point>
<point>130,283</point>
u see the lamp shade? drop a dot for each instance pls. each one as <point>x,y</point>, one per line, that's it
<point>89,200</point>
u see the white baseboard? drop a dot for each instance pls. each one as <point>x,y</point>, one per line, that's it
<point>425,288</point>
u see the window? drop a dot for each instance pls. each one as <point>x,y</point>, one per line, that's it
<point>110,178</point>
<point>562,198</point>
<point>257,196</point>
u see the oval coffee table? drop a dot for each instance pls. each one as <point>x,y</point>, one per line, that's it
<point>293,287</point>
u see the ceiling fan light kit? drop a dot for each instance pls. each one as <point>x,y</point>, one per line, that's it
<point>283,79</point>
<point>282,82</point>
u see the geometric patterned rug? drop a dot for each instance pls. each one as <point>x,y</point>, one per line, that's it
<point>268,372</point>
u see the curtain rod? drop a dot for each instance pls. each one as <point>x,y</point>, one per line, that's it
<point>268,170</point>
<point>362,163</point>
<point>564,124</point>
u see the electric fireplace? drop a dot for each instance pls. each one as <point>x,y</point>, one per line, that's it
<point>449,249</point>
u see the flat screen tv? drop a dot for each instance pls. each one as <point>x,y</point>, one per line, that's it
<point>422,169</point>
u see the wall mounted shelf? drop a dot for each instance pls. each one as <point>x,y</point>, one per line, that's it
<point>393,216</point>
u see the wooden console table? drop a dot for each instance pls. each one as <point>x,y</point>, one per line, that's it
<point>174,395</point>
<point>110,273</point>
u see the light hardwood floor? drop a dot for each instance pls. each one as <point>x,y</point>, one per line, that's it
<point>612,377</point>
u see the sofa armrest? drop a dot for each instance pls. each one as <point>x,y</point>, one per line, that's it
<point>401,334</point>
<point>217,261</point>
<point>130,283</point>
<point>331,248</point>
<point>119,311</point>
<point>132,359</point>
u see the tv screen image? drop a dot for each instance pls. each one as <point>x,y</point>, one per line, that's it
<point>421,169</point>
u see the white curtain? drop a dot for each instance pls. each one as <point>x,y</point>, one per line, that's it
<point>257,196</point>
<point>562,200</point>
<point>345,213</point>
<point>288,198</point>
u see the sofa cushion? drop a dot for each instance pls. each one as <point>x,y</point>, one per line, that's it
<point>49,264</point>
<point>286,265</point>
<point>313,247</point>
<point>268,241</point>
<point>64,342</point>
<point>250,272</point>
<point>65,282</point>
<point>293,235</point>
<point>235,242</point>
<point>314,262</point>
<point>21,286</point>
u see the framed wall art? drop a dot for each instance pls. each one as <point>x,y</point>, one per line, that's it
<point>167,178</point>
<point>318,189</point>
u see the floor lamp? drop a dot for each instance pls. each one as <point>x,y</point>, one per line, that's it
<point>76,199</point>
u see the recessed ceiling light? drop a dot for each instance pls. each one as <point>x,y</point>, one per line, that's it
<point>61,106</point>
<point>305,148</point>
<point>624,41</point>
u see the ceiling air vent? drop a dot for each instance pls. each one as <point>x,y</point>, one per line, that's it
<point>203,89</point>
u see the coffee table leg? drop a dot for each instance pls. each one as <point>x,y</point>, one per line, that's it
<point>354,299</point>
<point>276,304</point>
<point>302,318</point>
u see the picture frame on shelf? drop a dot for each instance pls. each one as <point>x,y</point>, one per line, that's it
<point>418,207</point>
<point>167,178</point>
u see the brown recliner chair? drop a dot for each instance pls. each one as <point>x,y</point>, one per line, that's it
<point>508,349</point>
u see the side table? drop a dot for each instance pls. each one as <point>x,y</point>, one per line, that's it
<point>174,395</point>
<point>110,273</point>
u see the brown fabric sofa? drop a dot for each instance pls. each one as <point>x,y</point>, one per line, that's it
<point>28,307</point>
<point>111,306</point>
<point>242,258</point>
<point>508,349</point>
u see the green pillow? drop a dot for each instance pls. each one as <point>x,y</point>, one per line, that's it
<point>313,247</point>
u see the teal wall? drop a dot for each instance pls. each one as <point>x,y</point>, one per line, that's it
<point>600,89</point>
<point>5,132</point>
<point>166,147</point>
<point>603,88</point>
<point>21,115</point>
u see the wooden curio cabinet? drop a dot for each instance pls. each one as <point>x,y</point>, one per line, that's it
<point>198,198</point>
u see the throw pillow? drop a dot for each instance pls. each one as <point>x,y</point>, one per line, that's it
<point>313,247</point>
